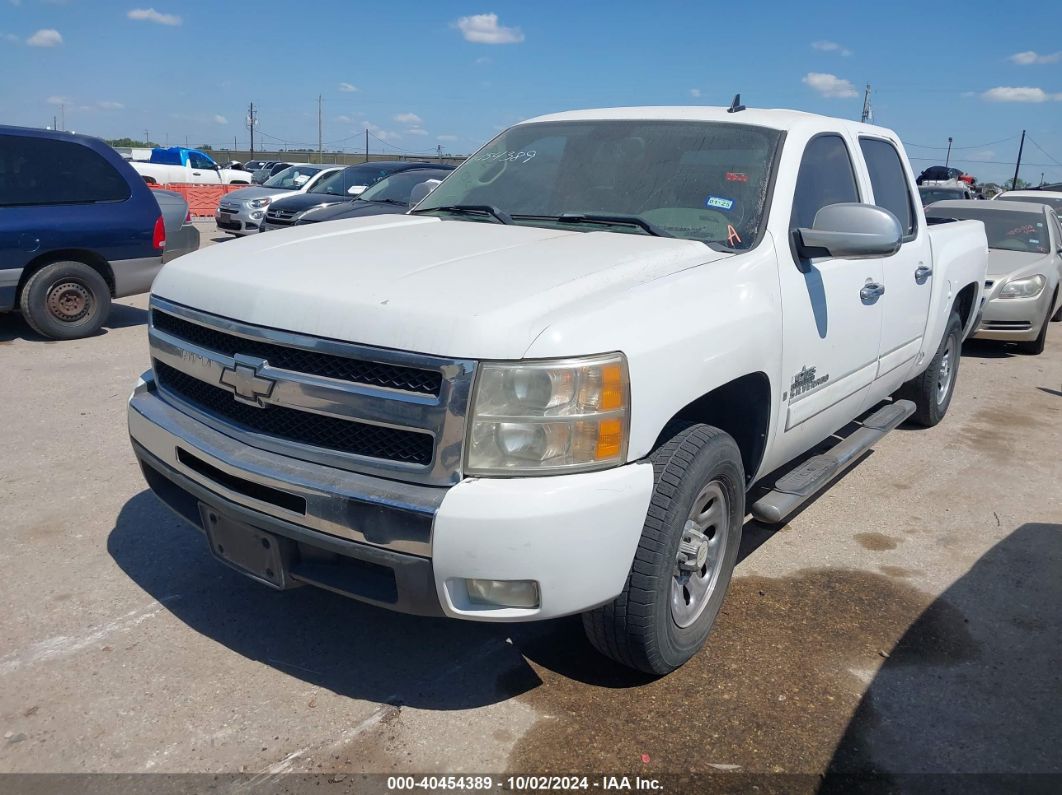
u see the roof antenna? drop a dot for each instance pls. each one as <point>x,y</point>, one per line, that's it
<point>736,105</point>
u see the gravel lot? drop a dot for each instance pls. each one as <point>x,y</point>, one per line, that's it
<point>909,620</point>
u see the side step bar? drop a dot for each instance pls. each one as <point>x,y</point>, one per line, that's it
<point>798,485</point>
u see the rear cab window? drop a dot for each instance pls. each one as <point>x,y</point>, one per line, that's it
<point>42,171</point>
<point>889,182</point>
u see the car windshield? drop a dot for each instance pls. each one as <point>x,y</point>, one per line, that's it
<point>930,195</point>
<point>291,178</point>
<point>1006,230</point>
<point>1055,203</point>
<point>397,187</point>
<point>340,183</point>
<point>703,181</point>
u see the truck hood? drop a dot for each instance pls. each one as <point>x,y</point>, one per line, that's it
<point>464,289</point>
<point>1004,263</point>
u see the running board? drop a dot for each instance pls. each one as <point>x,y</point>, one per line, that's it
<point>797,486</point>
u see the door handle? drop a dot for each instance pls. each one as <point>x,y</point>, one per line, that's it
<point>871,292</point>
<point>922,273</point>
<point>196,174</point>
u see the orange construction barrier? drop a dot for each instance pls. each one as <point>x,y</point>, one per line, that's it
<point>202,199</point>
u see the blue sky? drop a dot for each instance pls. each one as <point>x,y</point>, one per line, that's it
<point>423,74</point>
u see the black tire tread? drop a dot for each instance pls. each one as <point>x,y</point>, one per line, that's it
<point>35,316</point>
<point>921,390</point>
<point>611,627</point>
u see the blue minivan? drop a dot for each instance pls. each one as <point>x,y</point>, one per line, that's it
<point>78,226</point>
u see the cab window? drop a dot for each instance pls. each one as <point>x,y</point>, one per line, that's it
<point>826,177</point>
<point>889,181</point>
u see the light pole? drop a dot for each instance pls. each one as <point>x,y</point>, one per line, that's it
<point>947,159</point>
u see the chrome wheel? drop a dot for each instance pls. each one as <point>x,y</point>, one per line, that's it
<point>700,554</point>
<point>69,301</point>
<point>946,370</point>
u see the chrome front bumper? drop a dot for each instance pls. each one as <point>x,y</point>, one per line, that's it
<point>346,505</point>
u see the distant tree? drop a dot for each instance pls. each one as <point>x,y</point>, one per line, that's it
<point>205,148</point>
<point>1019,185</point>
<point>132,142</point>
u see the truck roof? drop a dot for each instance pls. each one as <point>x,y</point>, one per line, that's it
<point>778,119</point>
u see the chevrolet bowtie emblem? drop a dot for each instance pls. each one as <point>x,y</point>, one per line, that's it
<point>246,385</point>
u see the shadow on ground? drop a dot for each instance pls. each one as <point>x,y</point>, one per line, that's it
<point>13,327</point>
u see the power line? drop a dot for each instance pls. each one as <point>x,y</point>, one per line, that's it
<point>956,148</point>
<point>1050,157</point>
<point>990,162</point>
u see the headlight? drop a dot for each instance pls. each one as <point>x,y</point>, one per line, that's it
<point>256,203</point>
<point>542,417</point>
<point>1029,287</point>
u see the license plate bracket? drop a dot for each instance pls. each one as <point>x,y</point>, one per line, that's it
<point>254,552</point>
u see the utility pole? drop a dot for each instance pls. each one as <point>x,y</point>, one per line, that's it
<point>147,136</point>
<point>252,120</point>
<point>366,144</point>
<point>55,124</point>
<point>868,114</point>
<point>320,146</point>
<point>62,115</point>
<point>1021,146</point>
<point>947,159</point>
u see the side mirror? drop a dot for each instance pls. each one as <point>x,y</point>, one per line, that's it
<point>850,231</point>
<point>421,191</point>
<point>356,190</point>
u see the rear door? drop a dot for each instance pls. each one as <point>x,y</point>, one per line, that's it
<point>831,333</point>
<point>908,274</point>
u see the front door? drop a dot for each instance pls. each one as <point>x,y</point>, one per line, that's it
<point>831,324</point>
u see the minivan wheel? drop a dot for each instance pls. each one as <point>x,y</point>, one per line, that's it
<point>65,300</point>
<point>685,558</point>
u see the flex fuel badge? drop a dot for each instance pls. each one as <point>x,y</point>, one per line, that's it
<point>719,203</point>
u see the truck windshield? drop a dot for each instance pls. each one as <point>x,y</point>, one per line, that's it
<point>703,181</point>
<point>1007,230</point>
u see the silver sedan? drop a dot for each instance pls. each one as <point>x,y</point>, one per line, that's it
<point>241,212</point>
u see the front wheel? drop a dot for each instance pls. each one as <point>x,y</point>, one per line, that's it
<point>686,556</point>
<point>932,389</point>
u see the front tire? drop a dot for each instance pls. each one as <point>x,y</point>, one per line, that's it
<point>931,390</point>
<point>686,556</point>
<point>65,301</point>
<point>1036,347</point>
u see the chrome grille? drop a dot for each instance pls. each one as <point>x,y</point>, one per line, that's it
<point>372,410</point>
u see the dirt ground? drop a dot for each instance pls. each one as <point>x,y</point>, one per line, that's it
<point>907,621</point>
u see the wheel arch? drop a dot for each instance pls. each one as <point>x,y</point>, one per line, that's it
<point>741,408</point>
<point>964,304</point>
<point>90,258</point>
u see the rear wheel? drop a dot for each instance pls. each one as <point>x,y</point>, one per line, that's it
<point>65,300</point>
<point>932,389</point>
<point>685,558</point>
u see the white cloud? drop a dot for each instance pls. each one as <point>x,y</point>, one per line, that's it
<point>10,37</point>
<point>347,88</point>
<point>484,29</point>
<point>1019,94</point>
<point>695,93</point>
<point>830,86</point>
<point>445,137</point>
<point>416,131</point>
<point>46,37</point>
<point>831,46</point>
<point>219,119</point>
<point>408,118</point>
<point>57,100</point>
<point>151,15</point>
<point>1031,57</point>
<point>109,105</point>
<point>344,119</point>
<point>381,133</point>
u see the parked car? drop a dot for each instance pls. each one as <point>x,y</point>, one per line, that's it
<point>388,196</point>
<point>181,235</point>
<point>270,169</point>
<point>341,187</point>
<point>547,389</point>
<point>1052,199</point>
<point>178,165</point>
<point>253,165</point>
<point>937,193</point>
<point>78,227</point>
<point>1024,268</point>
<point>241,212</point>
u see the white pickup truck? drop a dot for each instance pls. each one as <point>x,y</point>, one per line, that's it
<point>550,387</point>
<point>176,165</point>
